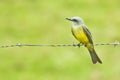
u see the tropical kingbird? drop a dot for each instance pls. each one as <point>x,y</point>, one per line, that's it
<point>83,35</point>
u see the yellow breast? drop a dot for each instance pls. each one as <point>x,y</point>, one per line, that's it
<point>80,35</point>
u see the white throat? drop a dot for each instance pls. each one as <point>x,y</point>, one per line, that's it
<point>76,25</point>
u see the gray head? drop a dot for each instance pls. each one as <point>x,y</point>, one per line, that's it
<point>76,20</point>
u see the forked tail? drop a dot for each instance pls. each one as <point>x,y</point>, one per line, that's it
<point>94,56</point>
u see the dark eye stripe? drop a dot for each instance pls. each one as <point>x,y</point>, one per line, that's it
<point>75,20</point>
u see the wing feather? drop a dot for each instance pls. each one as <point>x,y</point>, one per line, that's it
<point>87,32</point>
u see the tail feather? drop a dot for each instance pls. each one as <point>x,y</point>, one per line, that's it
<point>94,56</point>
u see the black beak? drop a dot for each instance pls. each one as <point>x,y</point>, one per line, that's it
<point>68,19</point>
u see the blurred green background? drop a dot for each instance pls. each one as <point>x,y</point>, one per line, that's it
<point>43,22</point>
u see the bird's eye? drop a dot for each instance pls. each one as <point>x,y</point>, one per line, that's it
<point>74,20</point>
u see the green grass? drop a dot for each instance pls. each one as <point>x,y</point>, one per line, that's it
<point>43,22</point>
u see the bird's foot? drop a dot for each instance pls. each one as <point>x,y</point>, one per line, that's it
<point>79,45</point>
<point>85,45</point>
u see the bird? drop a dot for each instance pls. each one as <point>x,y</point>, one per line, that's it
<point>83,35</point>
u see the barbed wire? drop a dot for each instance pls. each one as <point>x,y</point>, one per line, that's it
<point>116,43</point>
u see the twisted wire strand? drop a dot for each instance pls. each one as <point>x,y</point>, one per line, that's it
<point>116,43</point>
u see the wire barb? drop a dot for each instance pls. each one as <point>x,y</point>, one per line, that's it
<point>116,43</point>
